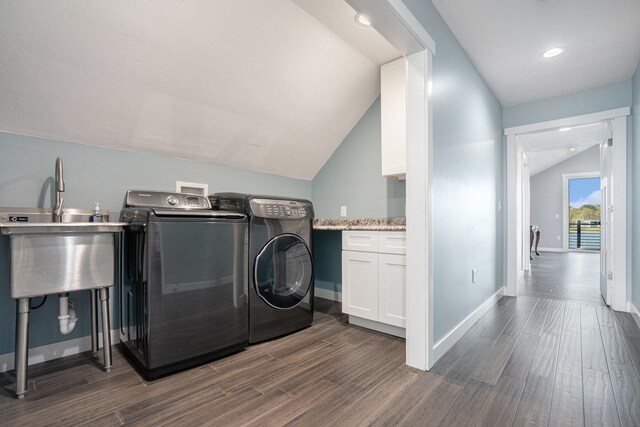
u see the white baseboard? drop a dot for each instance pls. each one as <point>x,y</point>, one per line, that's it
<point>635,313</point>
<point>327,294</point>
<point>377,326</point>
<point>551,250</point>
<point>56,350</point>
<point>442,346</point>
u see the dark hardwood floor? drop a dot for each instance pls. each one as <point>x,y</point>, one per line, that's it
<point>528,361</point>
<point>564,275</point>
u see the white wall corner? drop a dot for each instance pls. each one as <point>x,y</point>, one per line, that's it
<point>445,344</point>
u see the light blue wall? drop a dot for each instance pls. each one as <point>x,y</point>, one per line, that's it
<point>352,176</point>
<point>26,169</point>
<point>467,178</point>
<point>589,101</point>
<point>635,213</point>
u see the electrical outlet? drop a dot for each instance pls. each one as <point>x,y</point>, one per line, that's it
<point>343,211</point>
<point>474,275</point>
<point>558,237</point>
<point>557,216</point>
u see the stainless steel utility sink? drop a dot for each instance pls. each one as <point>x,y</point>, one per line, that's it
<point>58,257</point>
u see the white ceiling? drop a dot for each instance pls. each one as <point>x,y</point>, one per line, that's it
<point>260,85</point>
<point>505,40</point>
<point>547,149</point>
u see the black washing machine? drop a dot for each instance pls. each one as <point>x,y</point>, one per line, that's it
<point>280,275</point>
<point>183,290</point>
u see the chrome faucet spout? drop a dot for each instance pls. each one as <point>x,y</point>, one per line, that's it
<point>57,208</point>
<point>59,175</point>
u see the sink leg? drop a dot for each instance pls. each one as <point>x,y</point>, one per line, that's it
<point>106,328</point>
<point>95,346</point>
<point>22,345</point>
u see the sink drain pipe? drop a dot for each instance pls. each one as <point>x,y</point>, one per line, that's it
<point>67,316</point>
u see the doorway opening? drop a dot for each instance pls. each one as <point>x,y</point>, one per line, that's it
<point>563,240</point>
<point>561,213</point>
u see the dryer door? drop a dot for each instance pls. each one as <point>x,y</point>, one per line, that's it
<point>283,271</point>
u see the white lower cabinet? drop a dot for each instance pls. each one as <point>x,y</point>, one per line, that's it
<point>392,296</point>
<point>374,280</point>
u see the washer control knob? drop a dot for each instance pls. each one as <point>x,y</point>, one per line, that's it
<point>173,200</point>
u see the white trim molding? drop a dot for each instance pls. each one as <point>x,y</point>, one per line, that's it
<point>56,350</point>
<point>569,121</point>
<point>463,327</point>
<point>327,294</point>
<point>566,177</point>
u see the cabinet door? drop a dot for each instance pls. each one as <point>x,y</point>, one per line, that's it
<point>392,289</point>
<point>393,101</point>
<point>360,284</point>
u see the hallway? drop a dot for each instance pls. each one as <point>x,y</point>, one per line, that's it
<point>564,275</point>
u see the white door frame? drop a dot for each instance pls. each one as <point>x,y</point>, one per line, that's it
<point>393,20</point>
<point>618,118</point>
<point>566,177</point>
<point>526,214</point>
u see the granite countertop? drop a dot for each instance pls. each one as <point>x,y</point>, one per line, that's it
<point>376,224</point>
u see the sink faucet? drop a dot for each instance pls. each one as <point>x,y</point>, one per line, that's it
<point>57,209</point>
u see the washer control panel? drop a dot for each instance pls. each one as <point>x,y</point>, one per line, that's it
<point>160,199</point>
<point>282,209</point>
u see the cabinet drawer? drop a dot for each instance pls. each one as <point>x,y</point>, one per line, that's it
<point>361,241</point>
<point>392,242</point>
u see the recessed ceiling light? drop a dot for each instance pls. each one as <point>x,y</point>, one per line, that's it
<point>572,149</point>
<point>564,129</point>
<point>362,20</point>
<point>553,52</point>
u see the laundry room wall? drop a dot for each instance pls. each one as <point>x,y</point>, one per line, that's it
<point>546,195</point>
<point>99,174</point>
<point>352,176</point>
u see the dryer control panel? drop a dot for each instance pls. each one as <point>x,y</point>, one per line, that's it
<point>161,199</point>
<point>281,209</point>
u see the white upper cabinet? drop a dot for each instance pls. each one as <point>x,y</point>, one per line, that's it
<point>393,100</point>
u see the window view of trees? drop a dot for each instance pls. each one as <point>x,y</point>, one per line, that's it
<point>586,212</point>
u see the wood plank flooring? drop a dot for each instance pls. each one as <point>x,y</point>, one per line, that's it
<point>528,361</point>
<point>564,275</point>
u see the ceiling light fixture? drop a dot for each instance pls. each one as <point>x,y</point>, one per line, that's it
<point>553,52</point>
<point>572,149</point>
<point>362,20</point>
<point>564,129</point>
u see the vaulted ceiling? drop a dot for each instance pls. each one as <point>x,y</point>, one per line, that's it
<point>260,85</point>
<point>505,39</point>
<point>549,148</point>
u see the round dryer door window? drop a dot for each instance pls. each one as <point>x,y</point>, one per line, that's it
<point>284,271</point>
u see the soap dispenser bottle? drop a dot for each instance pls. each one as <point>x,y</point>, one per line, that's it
<point>97,216</point>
